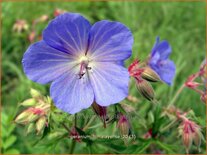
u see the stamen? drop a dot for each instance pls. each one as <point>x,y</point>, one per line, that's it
<point>83,66</point>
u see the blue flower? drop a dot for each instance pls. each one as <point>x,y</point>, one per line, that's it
<point>159,61</point>
<point>83,62</point>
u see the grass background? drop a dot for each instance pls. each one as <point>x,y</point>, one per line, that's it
<point>183,24</point>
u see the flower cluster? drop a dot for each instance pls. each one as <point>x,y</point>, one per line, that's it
<point>157,68</point>
<point>190,132</point>
<point>194,85</point>
<point>36,114</point>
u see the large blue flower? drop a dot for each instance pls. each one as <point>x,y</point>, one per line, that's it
<point>83,62</point>
<point>160,63</point>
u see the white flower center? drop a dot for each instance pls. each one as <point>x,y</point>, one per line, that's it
<point>84,62</point>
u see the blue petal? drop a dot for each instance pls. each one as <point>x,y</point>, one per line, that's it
<point>42,63</point>
<point>163,49</point>
<point>166,71</point>
<point>155,46</point>
<point>110,41</point>
<point>69,33</point>
<point>72,94</point>
<point>109,82</point>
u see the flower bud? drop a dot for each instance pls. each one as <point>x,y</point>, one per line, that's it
<point>190,132</point>
<point>30,128</point>
<point>123,125</point>
<point>20,26</point>
<point>34,93</point>
<point>28,102</point>
<point>197,139</point>
<point>32,117</point>
<point>100,111</point>
<point>187,141</point>
<point>132,98</point>
<point>32,36</point>
<point>128,108</point>
<point>145,89</point>
<point>43,18</point>
<point>150,75</point>
<point>40,124</point>
<point>58,12</point>
<point>22,117</point>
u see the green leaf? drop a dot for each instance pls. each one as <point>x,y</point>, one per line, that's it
<point>12,151</point>
<point>143,147</point>
<point>9,141</point>
<point>166,147</point>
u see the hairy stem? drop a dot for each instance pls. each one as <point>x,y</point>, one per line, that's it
<point>73,143</point>
<point>176,95</point>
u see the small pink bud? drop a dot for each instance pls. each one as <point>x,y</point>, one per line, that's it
<point>123,125</point>
<point>190,83</point>
<point>20,26</point>
<point>58,12</point>
<point>145,89</point>
<point>148,134</point>
<point>100,111</point>
<point>32,36</point>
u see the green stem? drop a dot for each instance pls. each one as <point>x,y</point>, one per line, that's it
<point>176,95</point>
<point>168,126</point>
<point>73,143</point>
<point>66,127</point>
<point>75,120</point>
<point>72,147</point>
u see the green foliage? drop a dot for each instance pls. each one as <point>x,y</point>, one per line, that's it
<point>182,24</point>
<point>8,135</point>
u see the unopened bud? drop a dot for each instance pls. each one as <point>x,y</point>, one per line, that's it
<point>187,141</point>
<point>20,26</point>
<point>145,89</point>
<point>31,118</point>
<point>100,111</point>
<point>30,128</point>
<point>150,75</point>
<point>34,93</point>
<point>123,125</point>
<point>22,117</point>
<point>132,98</point>
<point>58,12</point>
<point>43,18</point>
<point>197,139</point>
<point>32,36</point>
<point>28,102</point>
<point>190,132</point>
<point>40,124</point>
<point>128,108</point>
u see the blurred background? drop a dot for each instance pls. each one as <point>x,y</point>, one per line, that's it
<point>183,24</point>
